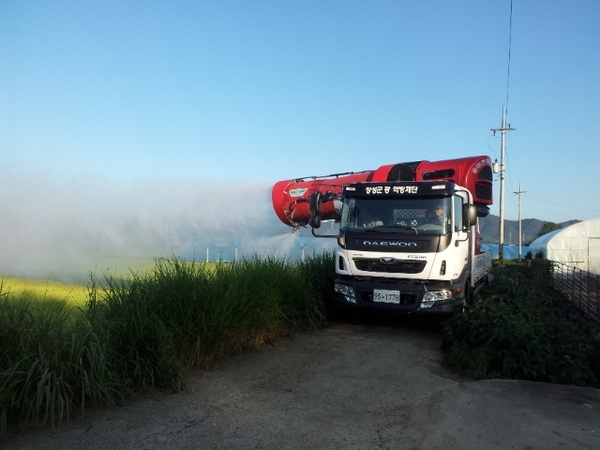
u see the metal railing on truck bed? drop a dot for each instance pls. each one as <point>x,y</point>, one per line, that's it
<point>482,265</point>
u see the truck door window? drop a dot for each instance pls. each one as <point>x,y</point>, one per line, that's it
<point>458,213</point>
<point>348,218</point>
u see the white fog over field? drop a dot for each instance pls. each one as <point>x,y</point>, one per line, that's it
<point>64,229</point>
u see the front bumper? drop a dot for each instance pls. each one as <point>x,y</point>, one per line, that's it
<point>422,297</point>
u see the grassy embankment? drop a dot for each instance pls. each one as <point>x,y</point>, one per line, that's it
<point>58,354</point>
<point>94,345</point>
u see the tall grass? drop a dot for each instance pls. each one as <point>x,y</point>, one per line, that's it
<point>183,314</point>
<point>145,331</point>
<point>49,361</point>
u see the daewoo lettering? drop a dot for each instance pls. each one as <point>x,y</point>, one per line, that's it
<point>389,243</point>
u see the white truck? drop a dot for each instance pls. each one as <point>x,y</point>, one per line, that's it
<point>408,236</point>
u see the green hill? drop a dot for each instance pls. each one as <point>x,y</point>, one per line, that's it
<point>530,228</point>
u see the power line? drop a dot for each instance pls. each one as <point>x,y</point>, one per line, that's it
<point>509,49</point>
<point>503,129</point>
<point>562,205</point>
<point>508,77</point>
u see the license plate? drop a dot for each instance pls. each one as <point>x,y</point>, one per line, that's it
<point>385,296</point>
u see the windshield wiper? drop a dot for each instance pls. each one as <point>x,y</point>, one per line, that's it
<point>377,229</point>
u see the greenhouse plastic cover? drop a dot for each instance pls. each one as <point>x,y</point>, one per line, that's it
<point>577,245</point>
<point>508,251</point>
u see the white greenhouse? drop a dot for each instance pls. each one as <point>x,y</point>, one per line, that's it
<point>577,245</point>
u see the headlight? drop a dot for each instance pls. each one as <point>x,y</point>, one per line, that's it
<point>431,297</point>
<point>346,291</point>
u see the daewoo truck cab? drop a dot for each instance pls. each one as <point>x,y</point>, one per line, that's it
<point>408,239</point>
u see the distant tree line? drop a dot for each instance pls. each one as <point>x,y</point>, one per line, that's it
<point>549,227</point>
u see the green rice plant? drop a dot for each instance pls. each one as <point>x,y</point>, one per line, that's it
<point>45,290</point>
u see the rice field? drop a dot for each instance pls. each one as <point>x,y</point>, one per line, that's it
<point>44,290</point>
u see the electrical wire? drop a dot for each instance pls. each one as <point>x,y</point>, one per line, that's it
<point>509,51</point>
<point>560,204</point>
<point>508,84</point>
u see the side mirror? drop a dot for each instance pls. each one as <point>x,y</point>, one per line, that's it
<point>469,215</point>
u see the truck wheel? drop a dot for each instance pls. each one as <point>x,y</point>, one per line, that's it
<point>469,296</point>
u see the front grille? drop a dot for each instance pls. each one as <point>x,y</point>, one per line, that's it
<point>483,191</point>
<point>396,266</point>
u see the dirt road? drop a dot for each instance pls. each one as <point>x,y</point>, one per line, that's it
<point>374,386</point>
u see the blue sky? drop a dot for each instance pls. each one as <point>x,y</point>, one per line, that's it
<point>259,91</point>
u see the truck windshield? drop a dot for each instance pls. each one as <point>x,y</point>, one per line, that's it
<point>432,216</point>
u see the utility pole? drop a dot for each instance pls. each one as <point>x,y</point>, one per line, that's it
<point>519,192</point>
<point>503,131</point>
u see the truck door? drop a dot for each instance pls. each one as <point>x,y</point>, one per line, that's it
<point>461,235</point>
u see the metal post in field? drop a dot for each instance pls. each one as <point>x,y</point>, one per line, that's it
<point>519,192</point>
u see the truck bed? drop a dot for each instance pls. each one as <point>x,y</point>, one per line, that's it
<point>482,264</point>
